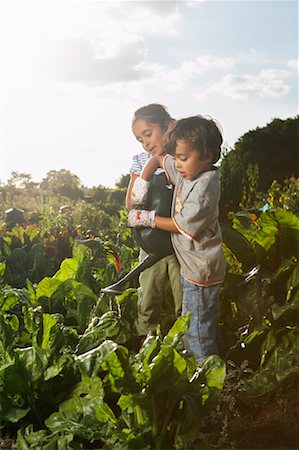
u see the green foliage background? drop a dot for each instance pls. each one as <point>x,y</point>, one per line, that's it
<point>71,373</point>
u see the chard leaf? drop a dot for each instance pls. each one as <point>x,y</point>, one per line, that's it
<point>109,325</point>
<point>49,321</point>
<point>57,367</point>
<point>42,440</point>
<point>239,246</point>
<point>213,372</point>
<point>179,328</point>
<point>46,287</point>
<point>11,413</point>
<point>2,271</point>
<point>293,281</point>
<point>282,363</point>
<point>33,362</point>
<point>90,362</point>
<point>7,334</point>
<point>68,269</point>
<point>84,411</point>
<point>279,226</point>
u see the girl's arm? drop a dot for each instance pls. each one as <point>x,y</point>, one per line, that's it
<point>129,190</point>
<point>139,189</point>
<point>151,166</point>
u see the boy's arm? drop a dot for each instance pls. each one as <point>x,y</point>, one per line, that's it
<point>143,218</point>
<point>166,224</point>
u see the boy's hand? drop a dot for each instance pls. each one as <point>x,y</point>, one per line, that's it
<point>139,192</point>
<point>141,218</point>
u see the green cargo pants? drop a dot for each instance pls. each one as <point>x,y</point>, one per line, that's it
<point>160,295</point>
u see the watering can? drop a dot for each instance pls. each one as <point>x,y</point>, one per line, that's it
<point>156,243</point>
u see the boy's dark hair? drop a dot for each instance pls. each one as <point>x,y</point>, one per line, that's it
<point>201,133</point>
<point>154,113</point>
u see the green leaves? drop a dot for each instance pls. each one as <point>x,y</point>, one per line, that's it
<point>109,324</point>
<point>237,249</point>
<point>24,256</point>
<point>161,394</point>
<point>266,300</point>
<point>84,412</point>
<point>282,363</point>
<point>67,296</point>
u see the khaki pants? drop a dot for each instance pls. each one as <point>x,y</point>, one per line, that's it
<point>160,295</point>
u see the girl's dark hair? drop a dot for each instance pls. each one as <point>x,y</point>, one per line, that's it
<point>153,113</point>
<point>201,133</point>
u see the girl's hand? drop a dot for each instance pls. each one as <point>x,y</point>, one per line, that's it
<point>139,192</point>
<point>141,218</point>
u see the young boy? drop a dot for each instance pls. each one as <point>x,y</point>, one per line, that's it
<point>195,230</point>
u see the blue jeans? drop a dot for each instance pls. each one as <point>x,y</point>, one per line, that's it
<point>202,335</point>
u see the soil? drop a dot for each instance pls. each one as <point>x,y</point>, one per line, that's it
<point>7,443</point>
<point>269,422</point>
<point>241,423</point>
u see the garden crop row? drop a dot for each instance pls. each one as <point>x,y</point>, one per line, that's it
<point>70,373</point>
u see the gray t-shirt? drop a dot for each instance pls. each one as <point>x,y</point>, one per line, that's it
<point>198,245</point>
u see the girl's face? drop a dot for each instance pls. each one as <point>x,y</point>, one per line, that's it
<point>150,136</point>
<point>187,161</point>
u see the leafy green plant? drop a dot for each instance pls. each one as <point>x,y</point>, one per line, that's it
<point>260,307</point>
<point>64,382</point>
<point>156,398</point>
<point>284,195</point>
<point>23,252</point>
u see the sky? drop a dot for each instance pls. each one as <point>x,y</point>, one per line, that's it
<point>73,73</point>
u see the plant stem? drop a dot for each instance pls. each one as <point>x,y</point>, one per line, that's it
<point>171,403</point>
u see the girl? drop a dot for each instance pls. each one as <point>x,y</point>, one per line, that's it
<point>149,124</point>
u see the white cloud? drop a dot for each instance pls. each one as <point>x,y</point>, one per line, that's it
<point>267,83</point>
<point>96,29</point>
<point>275,88</point>
<point>142,8</point>
<point>171,80</point>
<point>207,62</point>
<point>141,17</point>
<point>271,74</point>
<point>293,64</point>
<point>76,60</point>
<point>96,43</point>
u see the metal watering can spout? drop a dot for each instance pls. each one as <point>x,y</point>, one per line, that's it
<point>156,243</point>
<point>118,287</point>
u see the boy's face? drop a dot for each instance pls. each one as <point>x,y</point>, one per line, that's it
<point>150,135</point>
<point>187,161</point>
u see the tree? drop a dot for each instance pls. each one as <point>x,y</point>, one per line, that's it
<point>63,182</point>
<point>274,148</point>
<point>20,180</point>
<point>259,157</point>
<point>123,181</point>
<point>232,172</point>
<point>100,194</point>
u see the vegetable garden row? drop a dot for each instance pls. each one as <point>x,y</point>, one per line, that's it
<point>71,374</point>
